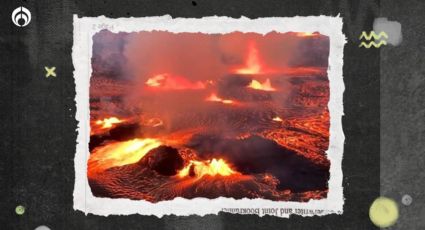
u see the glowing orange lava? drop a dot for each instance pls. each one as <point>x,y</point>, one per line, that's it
<point>307,34</point>
<point>120,153</point>
<point>266,86</point>
<point>108,122</point>
<point>201,168</point>
<point>213,97</point>
<point>169,82</point>
<point>155,81</point>
<point>277,119</point>
<point>302,70</point>
<point>253,63</point>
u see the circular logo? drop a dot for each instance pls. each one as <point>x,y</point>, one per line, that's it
<point>20,210</point>
<point>21,16</point>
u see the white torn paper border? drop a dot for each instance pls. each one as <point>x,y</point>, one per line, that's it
<point>86,27</point>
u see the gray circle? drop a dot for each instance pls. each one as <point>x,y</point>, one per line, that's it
<point>42,227</point>
<point>406,200</point>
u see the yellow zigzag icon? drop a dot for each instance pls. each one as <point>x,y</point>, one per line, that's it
<point>374,35</point>
<point>372,43</point>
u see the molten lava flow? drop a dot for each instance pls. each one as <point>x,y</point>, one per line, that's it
<point>108,122</point>
<point>277,119</point>
<point>202,168</point>
<point>103,125</point>
<point>253,63</point>
<point>297,71</point>
<point>307,34</point>
<point>156,81</point>
<point>169,82</point>
<point>266,86</point>
<point>213,97</point>
<point>120,153</point>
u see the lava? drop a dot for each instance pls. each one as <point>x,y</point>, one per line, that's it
<point>278,119</point>
<point>155,81</point>
<point>253,63</point>
<point>300,71</point>
<point>201,168</point>
<point>120,153</point>
<point>207,127</point>
<point>307,34</point>
<point>266,86</point>
<point>170,82</point>
<point>103,125</point>
<point>108,122</point>
<point>213,97</point>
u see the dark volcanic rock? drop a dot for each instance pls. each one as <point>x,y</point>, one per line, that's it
<point>164,160</point>
<point>150,180</point>
<point>235,87</point>
<point>122,132</point>
<point>255,155</point>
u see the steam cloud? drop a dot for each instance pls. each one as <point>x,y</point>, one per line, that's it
<point>198,56</point>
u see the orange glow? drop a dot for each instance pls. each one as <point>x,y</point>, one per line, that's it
<point>120,153</point>
<point>307,34</point>
<point>253,63</point>
<point>155,81</point>
<point>243,136</point>
<point>213,97</point>
<point>103,125</point>
<point>169,82</point>
<point>266,86</point>
<point>277,119</point>
<point>153,122</point>
<point>302,70</point>
<point>213,167</point>
<point>108,122</point>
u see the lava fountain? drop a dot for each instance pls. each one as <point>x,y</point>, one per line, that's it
<point>266,86</point>
<point>253,64</point>
<point>201,168</point>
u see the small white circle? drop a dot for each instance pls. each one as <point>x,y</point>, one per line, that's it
<point>42,227</point>
<point>406,200</point>
<point>21,16</point>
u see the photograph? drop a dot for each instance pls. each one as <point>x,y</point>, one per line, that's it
<point>237,115</point>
